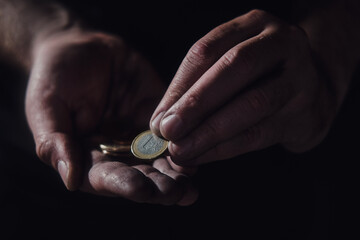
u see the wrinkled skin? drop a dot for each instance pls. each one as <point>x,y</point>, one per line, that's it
<point>248,84</point>
<point>88,86</point>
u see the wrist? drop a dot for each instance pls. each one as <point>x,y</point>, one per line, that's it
<point>23,23</point>
<point>61,23</point>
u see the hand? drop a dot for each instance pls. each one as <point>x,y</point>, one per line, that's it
<point>246,85</point>
<point>88,84</point>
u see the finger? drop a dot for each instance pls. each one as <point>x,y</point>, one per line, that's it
<point>189,171</point>
<point>114,178</point>
<point>50,124</point>
<point>164,167</point>
<point>257,137</point>
<point>168,191</point>
<point>239,67</point>
<point>190,193</point>
<point>140,183</point>
<point>245,110</point>
<point>203,54</point>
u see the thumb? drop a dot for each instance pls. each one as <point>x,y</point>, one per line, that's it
<point>50,122</point>
<point>63,153</point>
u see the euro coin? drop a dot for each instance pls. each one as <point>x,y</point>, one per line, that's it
<point>115,148</point>
<point>113,154</point>
<point>148,146</point>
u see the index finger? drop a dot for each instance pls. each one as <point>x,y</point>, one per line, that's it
<point>203,54</point>
<point>236,70</point>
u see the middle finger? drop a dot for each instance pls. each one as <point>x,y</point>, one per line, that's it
<point>238,68</point>
<point>244,111</point>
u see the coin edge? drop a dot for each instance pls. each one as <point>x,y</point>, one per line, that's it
<point>147,157</point>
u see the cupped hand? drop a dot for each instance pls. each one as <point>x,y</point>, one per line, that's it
<point>85,85</point>
<point>246,85</point>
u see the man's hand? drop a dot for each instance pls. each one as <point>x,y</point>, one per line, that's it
<point>248,84</point>
<point>88,84</point>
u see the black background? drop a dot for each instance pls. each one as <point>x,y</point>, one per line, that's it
<point>266,194</point>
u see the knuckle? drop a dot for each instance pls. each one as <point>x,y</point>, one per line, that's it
<point>193,101</point>
<point>230,57</point>
<point>232,26</point>
<point>176,90</point>
<point>257,15</point>
<point>242,57</point>
<point>200,52</point>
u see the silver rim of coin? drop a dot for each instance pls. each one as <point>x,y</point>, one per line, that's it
<point>148,146</point>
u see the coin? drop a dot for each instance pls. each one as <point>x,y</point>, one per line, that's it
<point>148,146</point>
<point>115,154</point>
<point>115,147</point>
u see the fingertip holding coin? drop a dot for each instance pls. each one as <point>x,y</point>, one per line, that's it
<point>148,146</point>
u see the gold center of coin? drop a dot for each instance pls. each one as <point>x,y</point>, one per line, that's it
<point>148,146</point>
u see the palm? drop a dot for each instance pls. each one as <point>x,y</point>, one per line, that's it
<point>88,87</point>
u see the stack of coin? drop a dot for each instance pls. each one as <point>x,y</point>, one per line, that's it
<point>116,149</point>
<point>146,146</point>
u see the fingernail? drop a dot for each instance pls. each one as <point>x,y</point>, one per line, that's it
<point>63,171</point>
<point>171,126</point>
<point>155,124</point>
